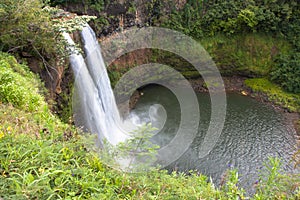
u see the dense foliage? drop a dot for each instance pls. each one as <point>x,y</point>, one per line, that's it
<point>52,167</point>
<point>250,54</point>
<point>25,24</point>
<point>278,18</point>
<point>38,33</point>
<point>22,91</point>
<point>42,158</point>
<point>229,17</point>
<point>31,28</point>
<point>16,85</point>
<point>96,5</point>
<point>287,72</point>
<point>26,28</point>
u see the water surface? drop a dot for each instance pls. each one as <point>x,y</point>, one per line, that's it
<point>252,133</point>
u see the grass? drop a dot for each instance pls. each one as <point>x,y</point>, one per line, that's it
<point>56,167</point>
<point>18,85</point>
<point>43,158</point>
<point>275,93</point>
<point>48,168</point>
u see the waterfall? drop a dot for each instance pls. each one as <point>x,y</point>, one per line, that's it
<point>94,104</point>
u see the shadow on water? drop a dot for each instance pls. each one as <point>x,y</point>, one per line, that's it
<point>252,133</point>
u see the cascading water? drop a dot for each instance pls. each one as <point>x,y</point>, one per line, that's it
<point>250,135</point>
<point>94,99</point>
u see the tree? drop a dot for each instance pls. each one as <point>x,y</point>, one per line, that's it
<point>26,26</point>
<point>31,27</point>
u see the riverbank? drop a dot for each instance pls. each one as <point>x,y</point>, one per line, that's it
<point>281,101</point>
<point>239,84</point>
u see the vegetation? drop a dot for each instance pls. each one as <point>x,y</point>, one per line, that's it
<point>52,167</point>
<point>287,72</point>
<point>201,17</point>
<point>249,38</point>
<point>275,93</point>
<point>24,24</point>
<point>235,44</point>
<point>16,85</point>
<point>22,101</point>
<point>31,28</point>
<point>138,151</point>
<point>249,54</point>
<point>44,158</point>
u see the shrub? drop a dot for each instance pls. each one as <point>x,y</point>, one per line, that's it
<point>23,108</point>
<point>16,88</point>
<point>187,20</point>
<point>273,184</point>
<point>287,72</point>
<point>31,27</point>
<point>24,25</point>
<point>52,168</point>
<point>228,17</point>
<point>200,17</point>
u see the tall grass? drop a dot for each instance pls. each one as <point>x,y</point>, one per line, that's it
<point>43,158</point>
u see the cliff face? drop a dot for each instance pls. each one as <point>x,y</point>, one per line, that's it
<point>112,16</point>
<point>116,15</point>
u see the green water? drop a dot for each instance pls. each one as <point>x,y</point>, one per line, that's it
<point>252,132</point>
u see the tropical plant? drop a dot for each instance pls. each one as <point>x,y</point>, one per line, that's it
<point>138,151</point>
<point>16,85</point>
<point>273,184</point>
<point>287,72</point>
<point>30,27</point>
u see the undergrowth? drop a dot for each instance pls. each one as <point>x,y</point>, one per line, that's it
<point>52,168</point>
<point>43,158</point>
<point>249,54</point>
<point>18,86</point>
<point>275,93</point>
<point>55,167</point>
